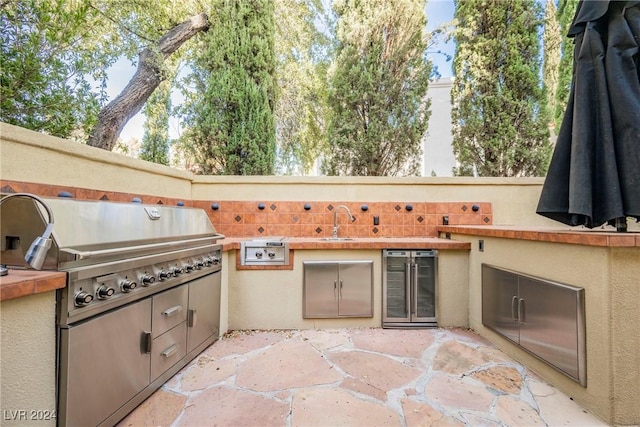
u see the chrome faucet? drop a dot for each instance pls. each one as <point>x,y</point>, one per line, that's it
<point>335,219</point>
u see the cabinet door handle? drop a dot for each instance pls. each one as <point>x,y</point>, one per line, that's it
<point>170,351</point>
<point>172,311</point>
<point>514,309</point>
<point>335,287</point>
<point>521,311</point>
<point>146,342</point>
<point>415,289</point>
<point>192,316</point>
<point>340,290</point>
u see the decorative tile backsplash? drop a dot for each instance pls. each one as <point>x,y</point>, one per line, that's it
<point>315,219</point>
<point>300,218</point>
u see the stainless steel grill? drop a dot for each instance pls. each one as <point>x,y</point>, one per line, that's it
<point>142,295</point>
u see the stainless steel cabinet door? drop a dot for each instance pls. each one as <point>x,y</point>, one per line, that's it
<point>500,302</point>
<point>549,324</point>
<point>355,288</point>
<point>204,310</point>
<point>108,351</point>
<point>320,298</point>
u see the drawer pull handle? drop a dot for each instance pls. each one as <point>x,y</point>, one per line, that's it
<point>170,351</point>
<point>172,311</point>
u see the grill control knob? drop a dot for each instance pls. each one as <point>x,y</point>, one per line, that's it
<point>208,261</point>
<point>258,254</point>
<point>105,292</point>
<point>199,264</point>
<point>147,279</point>
<point>216,260</point>
<point>164,275</point>
<point>187,268</point>
<point>176,271</point>
<point>271,254</point>
<point>128,285</point>
<point>82,298</point>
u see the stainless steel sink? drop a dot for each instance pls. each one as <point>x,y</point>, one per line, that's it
<point>336,239</point>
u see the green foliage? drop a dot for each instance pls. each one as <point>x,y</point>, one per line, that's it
<point>377,87</point>
<point>155,142</point>
<point>45,65</point>
<point>499,108</point>
<point>566,11</point>
<point>230,104</point>
<point>56,53</point>
<point>552,41</point>
<point>302,61</point>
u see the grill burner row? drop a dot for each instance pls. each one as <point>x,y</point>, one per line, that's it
<point>124,282</point>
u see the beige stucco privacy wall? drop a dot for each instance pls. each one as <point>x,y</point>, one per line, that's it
<point>33,157</point>
<point>609,276</point>
<point>28,156</point>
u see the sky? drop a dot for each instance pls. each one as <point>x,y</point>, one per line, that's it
<point>438,12</point>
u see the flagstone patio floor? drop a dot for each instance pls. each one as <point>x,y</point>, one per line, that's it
<point>357,377</point>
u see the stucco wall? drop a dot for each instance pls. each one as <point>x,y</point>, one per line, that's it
<point>32,157</point>
<point>611,304</point>
<point>27,360</point>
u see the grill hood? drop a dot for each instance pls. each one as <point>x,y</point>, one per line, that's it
<point>90,232</point>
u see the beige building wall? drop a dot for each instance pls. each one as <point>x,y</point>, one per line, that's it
<point>27,361</point>
<point>610,279</point>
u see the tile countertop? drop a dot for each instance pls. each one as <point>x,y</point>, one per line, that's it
<point>21,283</point>
<point>359,243</point>
<point>576,235</point>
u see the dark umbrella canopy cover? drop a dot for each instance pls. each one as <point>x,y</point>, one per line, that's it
<point>594,175</point>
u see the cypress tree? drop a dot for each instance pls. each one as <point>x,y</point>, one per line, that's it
<point>229,111</point>
<point>377,89</point>
<point>500,120</point>
<point>566,10</point>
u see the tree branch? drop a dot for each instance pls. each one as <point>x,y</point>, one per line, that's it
<point>115,115</point>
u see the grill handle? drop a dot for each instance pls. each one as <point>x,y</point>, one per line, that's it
<point>138,248</point>
<point>192,317</point>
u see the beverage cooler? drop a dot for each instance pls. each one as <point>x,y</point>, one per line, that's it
<point>409,288</point>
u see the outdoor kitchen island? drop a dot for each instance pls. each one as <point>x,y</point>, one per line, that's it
<point>271,296</point>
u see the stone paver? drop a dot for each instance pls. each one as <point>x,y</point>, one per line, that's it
<point>408,343</point>
<point>285,365</point>
<point>224,406</point>
<point>356,377</point>
<point>454,392</point>
<point>379,371</point>
<point>337,407</point>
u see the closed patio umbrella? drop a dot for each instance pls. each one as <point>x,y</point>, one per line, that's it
<point>594,175</point>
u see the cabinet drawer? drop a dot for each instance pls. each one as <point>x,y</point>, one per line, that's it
<point>168,349</point>
<point>169,309</point>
